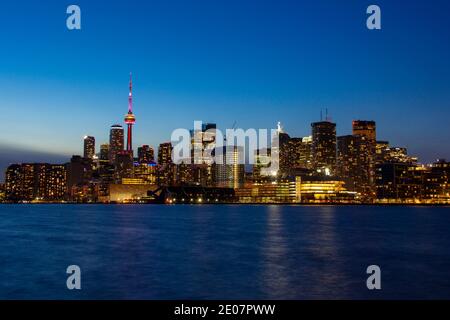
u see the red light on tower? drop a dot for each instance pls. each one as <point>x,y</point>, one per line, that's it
<point>130,119</point>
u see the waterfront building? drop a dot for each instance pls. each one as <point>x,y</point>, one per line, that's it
<point>280,191</point>
<point>323,189</point>
<point>2,192</point>
<point>299,189</point>
<point>145,172</point>
<point>194,195</point>
<point>36,182</point>
<point>13,183</point>
<point>399,182</point>
<point>436,183</point>
<point>128,192</point>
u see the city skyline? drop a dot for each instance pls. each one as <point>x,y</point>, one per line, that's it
<point>70,84</point>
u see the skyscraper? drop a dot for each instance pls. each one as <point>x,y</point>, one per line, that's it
<point>165,164</point>
<point>203,143</point>
<point>284,150</point>
<point>324,146</point>
<point>89,147</point>
<point>367,129</point>
<point>231,171</point>
<point>124,165</point>
<point>116,141</point>
<point>130,119</point>
<point>165,153</point>
<point>353,164</point>
<point>146,154</point>
<point>104,152</point>
<point>305,160</point>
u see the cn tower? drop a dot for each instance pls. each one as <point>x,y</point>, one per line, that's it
<point>130,119</point>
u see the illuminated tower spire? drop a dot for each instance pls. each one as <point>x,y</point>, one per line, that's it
<point>130,118</point>
<point>130,96</point>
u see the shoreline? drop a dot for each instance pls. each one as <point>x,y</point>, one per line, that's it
<point>246,204</point>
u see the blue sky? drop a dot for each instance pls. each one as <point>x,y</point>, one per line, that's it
<point>253,62</point>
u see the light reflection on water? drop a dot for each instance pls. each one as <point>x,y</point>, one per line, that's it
<point>224,252</point>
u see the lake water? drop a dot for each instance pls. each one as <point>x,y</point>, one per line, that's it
<point>223,251</point>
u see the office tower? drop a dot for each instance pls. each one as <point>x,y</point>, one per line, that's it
<point>366,129</point>
<point>381,149</point>
<point>294,148</point>
<point>145,173</point>
<point>324,146</point>
<point>165,153</point>
<point>79,172</point>
<point>89,147</point>
<point>184,174</point>
<point>231,172</point>
<point>146,154</point>
<point>262,164</point>
<point>124,165</point>
<point>354,165</point>
<point>387,154</point>
<point>436,181</point>
<point>165,164</point>
<point>399,155</point>
<point>104,152</point>
<point>305,160</point>
<point>203,142</point>
<point>130,119</point>
<point>284,151</point>
<point>115,142</point>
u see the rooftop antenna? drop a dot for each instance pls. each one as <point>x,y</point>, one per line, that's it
<point>279,127</point>
<point>321,118</point>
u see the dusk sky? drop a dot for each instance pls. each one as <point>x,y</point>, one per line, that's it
<point>253,62</point>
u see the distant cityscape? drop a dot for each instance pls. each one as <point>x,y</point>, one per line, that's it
<point>322,168</point>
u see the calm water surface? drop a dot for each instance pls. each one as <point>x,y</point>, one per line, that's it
<point>223,252</point>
